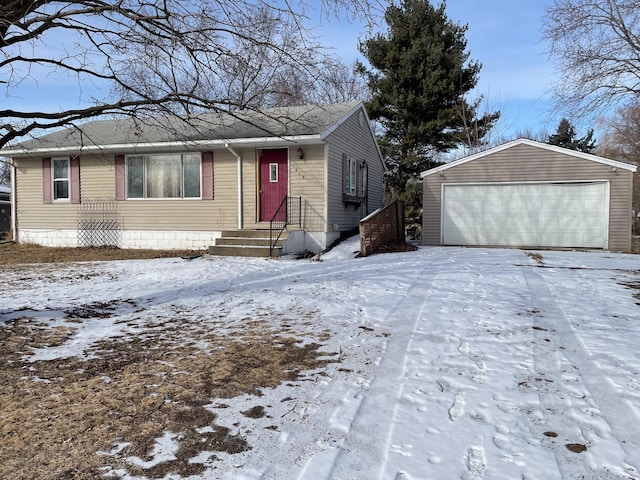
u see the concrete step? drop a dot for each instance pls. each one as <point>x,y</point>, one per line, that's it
<point>242,251</point>
<point>246,242</point>
<point>248,234</point>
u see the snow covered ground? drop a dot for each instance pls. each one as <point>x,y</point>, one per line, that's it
<point>455,363</point>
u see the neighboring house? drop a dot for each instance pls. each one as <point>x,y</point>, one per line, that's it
<point>529,194</point>
<point>5,210</point>
<point>169,185</point>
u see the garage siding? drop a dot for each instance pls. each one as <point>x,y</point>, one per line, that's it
<point>526,163</point>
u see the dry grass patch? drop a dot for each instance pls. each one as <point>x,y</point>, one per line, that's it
<point>65,418</point>
<point>26,253</point>
<point>537,257</point>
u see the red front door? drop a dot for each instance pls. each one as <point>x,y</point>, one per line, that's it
<point>273,182</point>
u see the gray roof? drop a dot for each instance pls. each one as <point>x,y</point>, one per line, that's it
<point>283,122</point>
<point>531,143</point>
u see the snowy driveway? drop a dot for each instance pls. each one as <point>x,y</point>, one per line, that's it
<point>455,363</point>
<point>501,366</point>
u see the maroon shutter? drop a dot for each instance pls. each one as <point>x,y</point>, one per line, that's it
<point>207,175</point>
<point>120,178</point>
<point>46,180</point>
<point>74,179</point>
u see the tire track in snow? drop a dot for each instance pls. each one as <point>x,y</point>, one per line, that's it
<point>557,341</point>
<point>370,434</point>
<point>317,457</point>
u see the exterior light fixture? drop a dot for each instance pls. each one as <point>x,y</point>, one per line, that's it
<point>300,153</point>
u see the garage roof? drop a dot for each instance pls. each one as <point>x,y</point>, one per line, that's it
<point>531,143</point>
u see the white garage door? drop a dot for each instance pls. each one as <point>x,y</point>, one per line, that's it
<point>542,215</point>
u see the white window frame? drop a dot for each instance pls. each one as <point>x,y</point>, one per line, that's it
<point>145,196</point>
<point>273,178</point>
<point>55,180</point>
<point>352,177</point>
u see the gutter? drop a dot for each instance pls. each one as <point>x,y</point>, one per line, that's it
<point>253,142</point>
<point>240,205</point>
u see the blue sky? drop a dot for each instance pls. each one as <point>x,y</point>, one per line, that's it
<point>517,74</point>
<point>504,35</point>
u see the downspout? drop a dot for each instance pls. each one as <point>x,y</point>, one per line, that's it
<point>240,204</point>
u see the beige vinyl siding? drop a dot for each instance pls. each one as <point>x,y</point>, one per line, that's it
<point>356,141</point>
<point>97,179</point>
<point>525,163</point>
<point>307,180</point>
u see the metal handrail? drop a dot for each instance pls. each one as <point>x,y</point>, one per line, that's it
<point>276,226</point>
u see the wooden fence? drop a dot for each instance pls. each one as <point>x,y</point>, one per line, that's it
<point>383,227</point>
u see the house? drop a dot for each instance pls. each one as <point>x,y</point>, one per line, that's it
<point>5,211</point>
<point>167,184</point>
<point>529,194</point>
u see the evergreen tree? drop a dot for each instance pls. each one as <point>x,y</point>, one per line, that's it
<point>566,137</point>
<point>419,78</point>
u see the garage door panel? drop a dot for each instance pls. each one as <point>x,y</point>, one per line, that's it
<point>584,224</point>
<point>544,208</point>
<point>572,206</point>
<point>593,204</point>
<point>531,207</point>
<point>491,206</point>
<point>458,210</point>
<point>513,223</point>
<point>561,215</point>
<point>513,207</point>
<point>591,239</point>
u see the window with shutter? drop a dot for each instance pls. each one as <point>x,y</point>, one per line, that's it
<point>352,180</point>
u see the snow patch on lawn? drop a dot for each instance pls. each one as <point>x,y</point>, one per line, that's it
<point>454,363</point>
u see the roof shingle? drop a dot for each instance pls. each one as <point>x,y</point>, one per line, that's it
<point>269,123</point>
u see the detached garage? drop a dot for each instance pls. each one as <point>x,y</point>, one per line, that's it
<point>529,194</point>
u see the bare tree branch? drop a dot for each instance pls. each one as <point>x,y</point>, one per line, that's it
<point>157,57</point>
<point>621,141</point>
<point>596,44</point>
